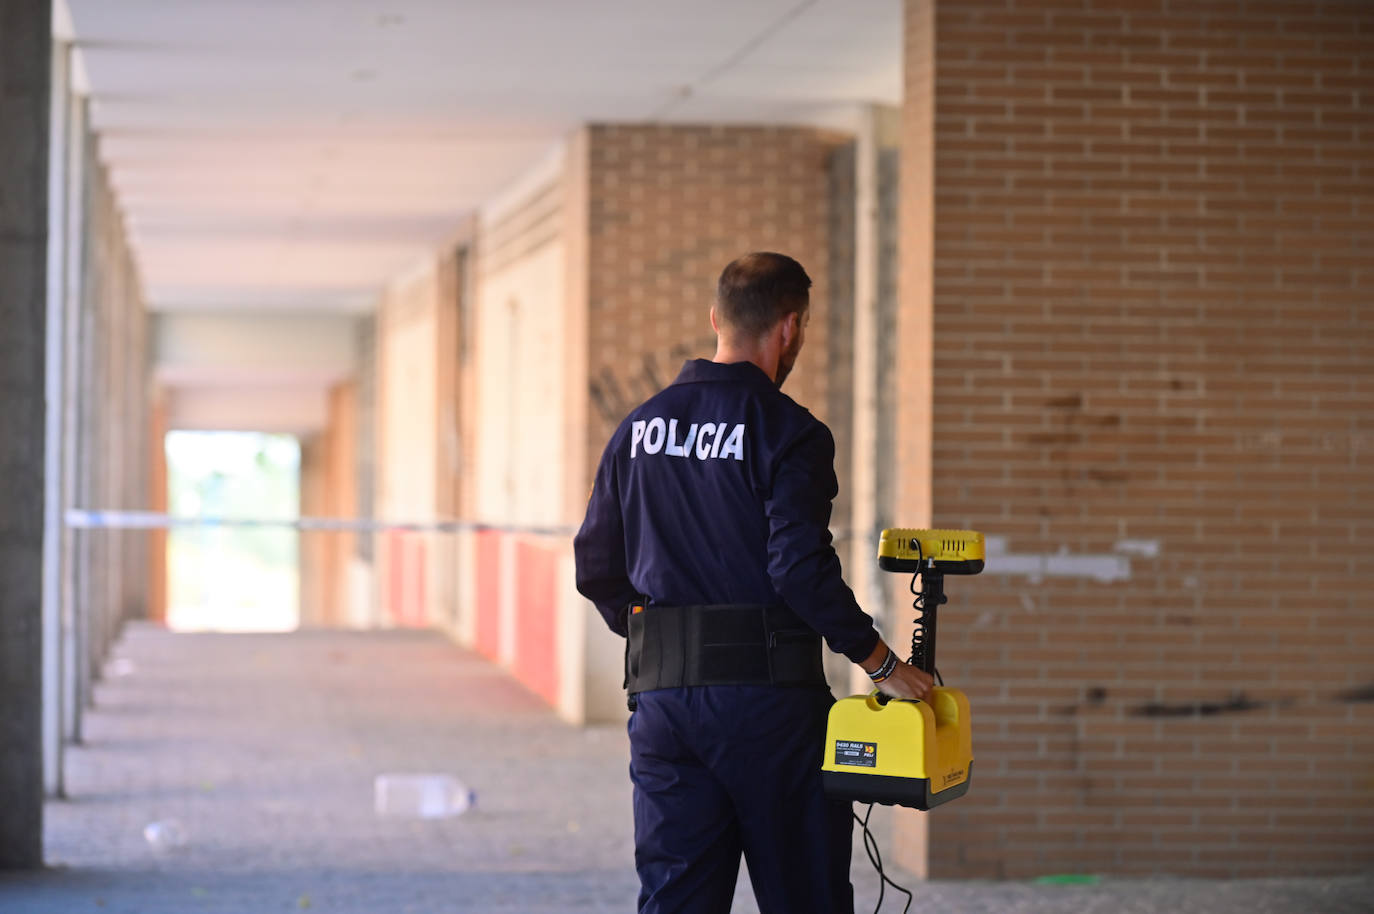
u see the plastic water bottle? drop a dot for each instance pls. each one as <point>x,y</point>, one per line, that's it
<point>164,835</point>
<point>421,796</point>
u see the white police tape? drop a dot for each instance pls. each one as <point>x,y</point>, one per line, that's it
<point>151,520</point>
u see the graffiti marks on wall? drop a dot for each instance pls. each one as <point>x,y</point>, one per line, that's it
<point>1076,443</point>
<point>617,389</point>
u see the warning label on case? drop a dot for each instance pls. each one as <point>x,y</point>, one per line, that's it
<point>860,755</point>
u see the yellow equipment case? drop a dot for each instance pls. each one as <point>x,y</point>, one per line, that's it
<point>908,753</point>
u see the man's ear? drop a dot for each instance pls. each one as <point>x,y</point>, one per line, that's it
<point>714,324</point>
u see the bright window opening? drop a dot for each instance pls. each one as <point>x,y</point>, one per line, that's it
<point>233,578</point>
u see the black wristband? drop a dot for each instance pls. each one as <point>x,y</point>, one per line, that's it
<point>886,669</point>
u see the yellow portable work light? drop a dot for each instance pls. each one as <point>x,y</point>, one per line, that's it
<point>908,753</point>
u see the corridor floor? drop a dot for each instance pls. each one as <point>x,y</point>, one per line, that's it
<point>263,749</point>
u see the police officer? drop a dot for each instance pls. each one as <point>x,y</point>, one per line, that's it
<point>707,544</point>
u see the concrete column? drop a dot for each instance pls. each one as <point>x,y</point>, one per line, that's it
<point>443,567</point>
<point>115,416</point>
<point>52,475</point>
<point>157,501</point>
<point>869,510</point>
<point>341,499</point>
<point>25,59</point>
<point>109,415</point>
<point>364,598</point>
<point>135,440</point>
<point>311,562</point>
<point>74,542</point>
<point>88,559</point>
<point>87,554</point>
<point>102,409</point>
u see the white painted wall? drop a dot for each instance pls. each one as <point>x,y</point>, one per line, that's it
<point>522,398</point>
<point>407,417</point>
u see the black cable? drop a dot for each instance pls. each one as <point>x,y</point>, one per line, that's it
<point>875,857</point>
<point>918,625</point>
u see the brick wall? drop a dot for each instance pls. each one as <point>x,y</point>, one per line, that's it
<point>669,207</point>
<point>591,281</point>
<point>1153,370</point>
<point>664,209</point>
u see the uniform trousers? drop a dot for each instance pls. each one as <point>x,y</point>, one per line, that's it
<point>721,771</point>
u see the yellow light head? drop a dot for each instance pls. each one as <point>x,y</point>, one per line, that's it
<point>945,551</point>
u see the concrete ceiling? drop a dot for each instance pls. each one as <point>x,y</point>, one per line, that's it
<point>295,155</point>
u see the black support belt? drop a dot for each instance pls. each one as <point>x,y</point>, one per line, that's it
<point>744,644</point>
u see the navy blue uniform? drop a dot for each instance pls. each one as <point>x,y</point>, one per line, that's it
<point>718,490</point>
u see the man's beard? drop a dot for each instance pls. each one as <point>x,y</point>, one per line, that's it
<point>787,360</point>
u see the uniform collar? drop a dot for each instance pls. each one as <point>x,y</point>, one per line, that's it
<point>707,370</point>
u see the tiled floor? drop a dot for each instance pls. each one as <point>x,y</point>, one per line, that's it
<point>263,749</point>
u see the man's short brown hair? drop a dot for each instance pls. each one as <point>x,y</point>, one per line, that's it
<point>757,290</point>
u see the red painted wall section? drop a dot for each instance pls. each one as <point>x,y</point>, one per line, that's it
<point>405,570</point>
<point>488,593</point>
<point>394,557</point>
<point>536,655</point>
<point>417,614</point>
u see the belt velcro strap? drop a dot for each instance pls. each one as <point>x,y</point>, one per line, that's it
<point>732,644</point>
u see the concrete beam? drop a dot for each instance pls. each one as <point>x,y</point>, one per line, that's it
<point>25,78</point>
<point>252,372</point>
<point>254,349</point>
<point>280,409</point>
